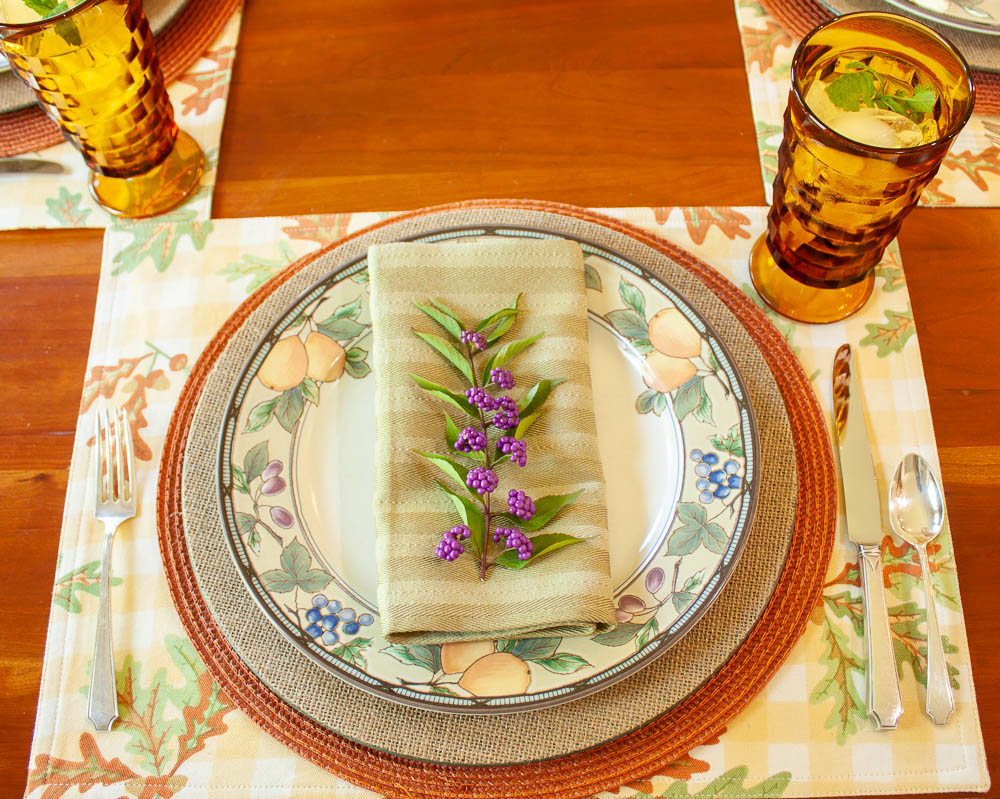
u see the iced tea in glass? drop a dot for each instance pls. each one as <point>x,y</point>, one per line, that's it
<point>876,101</point>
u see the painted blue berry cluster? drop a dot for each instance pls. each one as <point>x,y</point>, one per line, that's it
<point>716,479</point>
<point>328,621</point>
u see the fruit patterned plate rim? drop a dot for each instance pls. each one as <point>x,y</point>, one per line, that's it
<point>658,642</point>
<point>945,18</point>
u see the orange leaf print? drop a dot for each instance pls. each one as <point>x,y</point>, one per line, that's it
<point>662,214</point>
<point>730,221</point>
<point>209,84</point>
<point>104,380</point>
<point>759,44</point>
<point>58,775</point>
<point>321,228</point>
<point>974,165</point>
<point>203,720</point>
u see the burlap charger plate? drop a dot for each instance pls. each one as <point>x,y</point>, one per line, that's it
<point>982,51</point>
<point>628,731</point>
<point>186,29</point>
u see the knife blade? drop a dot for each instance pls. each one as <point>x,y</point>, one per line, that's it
<point>17,166</point>
<point>865,528</point>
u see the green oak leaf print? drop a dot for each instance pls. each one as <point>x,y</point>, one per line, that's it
<point>65,208</point>
<point>890,336</point>
<point>84,580</point>
<point>162,723</point>
<point>257,268</point>
<point>730,783</point>
<point>158,241</point>
<point>842,684</point>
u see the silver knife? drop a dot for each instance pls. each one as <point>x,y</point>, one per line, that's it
<point>17,166</point>
<point>864,528</point>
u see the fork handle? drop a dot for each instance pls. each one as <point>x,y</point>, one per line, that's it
<point>102,708</point>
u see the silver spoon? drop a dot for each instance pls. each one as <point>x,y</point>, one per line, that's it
<point>916,510</point>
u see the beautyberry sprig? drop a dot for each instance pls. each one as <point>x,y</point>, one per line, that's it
<point>494,434</point>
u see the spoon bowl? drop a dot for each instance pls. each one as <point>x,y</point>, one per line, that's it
<point>916,511</point>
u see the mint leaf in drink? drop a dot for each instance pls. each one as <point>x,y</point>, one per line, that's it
<point>923,99</point>
<point>852,89</point>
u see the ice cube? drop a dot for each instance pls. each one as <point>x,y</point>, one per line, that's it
<point>877,127</point>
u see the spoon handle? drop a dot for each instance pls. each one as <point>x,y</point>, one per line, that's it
<point>940,702</point>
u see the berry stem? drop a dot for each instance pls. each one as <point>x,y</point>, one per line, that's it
<point>483,565</point>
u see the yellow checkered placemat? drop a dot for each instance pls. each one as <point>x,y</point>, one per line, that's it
<point>166,287</point>
<point>969,175</point>
<point>199,97</point>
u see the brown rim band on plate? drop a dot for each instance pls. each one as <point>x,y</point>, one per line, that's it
<point>180,44</point>
<point>626,754</point>
<point>798,17</point>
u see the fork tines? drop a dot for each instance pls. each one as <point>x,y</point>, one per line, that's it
<point>114,456</point>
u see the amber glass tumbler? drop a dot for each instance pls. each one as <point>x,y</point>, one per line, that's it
<point>94,70</point>
<point>838,203</point>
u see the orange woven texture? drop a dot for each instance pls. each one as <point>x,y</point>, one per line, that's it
<point>182,43</point>
<point>637,755</point>
<point>798,17</point>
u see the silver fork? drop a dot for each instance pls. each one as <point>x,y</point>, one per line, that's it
<point>115,504</point>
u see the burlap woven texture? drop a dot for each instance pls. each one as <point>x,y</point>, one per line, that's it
<point>522,737</point>
<point>14,94</point>
<point>422,599</point>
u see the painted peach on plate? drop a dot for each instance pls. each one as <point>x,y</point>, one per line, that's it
<point>672,334</point>
<point>457,656</point>
<point>499,674</point>
<point>664,373</point>
<point>325,358</point>
<point>285,365</point>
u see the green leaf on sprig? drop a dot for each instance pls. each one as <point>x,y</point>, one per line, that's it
<point>451,353</point>
<point>506,352</point>
<point>295,572</point>
<point>460,401</point>
<point>449,323</point>
<point>448,312</point>
<point>547,507</point>
<point>472,517</point>
<point>544,544</point>
<point>504,315</point>
<point>451,431</point>
<point>453,469</point>
<point>536,395</point>
<point>525,423</point>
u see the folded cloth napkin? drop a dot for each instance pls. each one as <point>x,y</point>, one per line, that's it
<point>421,598</point>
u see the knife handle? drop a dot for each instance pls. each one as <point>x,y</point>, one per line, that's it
<point>885,704</point>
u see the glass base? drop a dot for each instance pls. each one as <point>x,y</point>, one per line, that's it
<point>797,300</point>
<point>163,187</point>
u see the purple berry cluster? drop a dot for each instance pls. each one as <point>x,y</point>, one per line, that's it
<point>507,416</point>
<point>450,547</point>
<point>520,505</point>
<point>482,480</point>
<point>502,378</point>
<point>515,539</point>
<point>473,339</point>
<point>479,398</point>
<point>471,440</point>
<point>518,450</point>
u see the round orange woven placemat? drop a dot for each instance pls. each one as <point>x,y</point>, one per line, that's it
<point>639,754</point>
<point>180,44</point>
<point>798,17</point>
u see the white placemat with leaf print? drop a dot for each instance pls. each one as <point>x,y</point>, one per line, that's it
<point>805,735</point>
<point>969,175</point>
<point>199,97</point>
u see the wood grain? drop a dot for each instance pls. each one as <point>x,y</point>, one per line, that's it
<point>399,104</point>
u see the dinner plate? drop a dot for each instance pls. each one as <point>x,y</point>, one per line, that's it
<point>982,16</point>
<point>681,458</point>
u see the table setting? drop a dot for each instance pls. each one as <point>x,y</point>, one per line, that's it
<point>514,497</point>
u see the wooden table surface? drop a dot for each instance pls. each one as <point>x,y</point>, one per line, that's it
<point>394,104</point>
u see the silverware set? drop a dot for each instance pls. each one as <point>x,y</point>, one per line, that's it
<point>916,512</point>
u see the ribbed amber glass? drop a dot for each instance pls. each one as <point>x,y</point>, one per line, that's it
<point>838,203</point>
<point>94,70</point>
